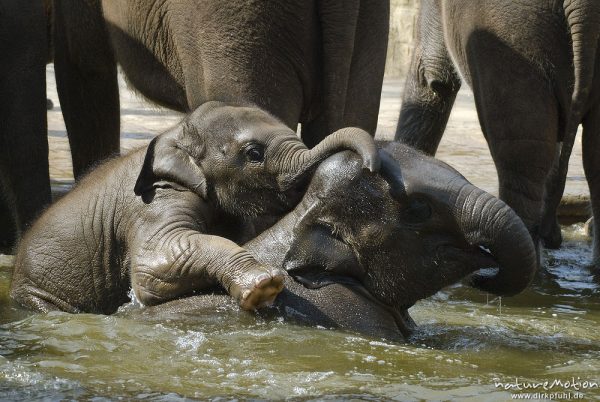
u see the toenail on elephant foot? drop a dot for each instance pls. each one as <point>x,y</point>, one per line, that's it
<point>263,291</point>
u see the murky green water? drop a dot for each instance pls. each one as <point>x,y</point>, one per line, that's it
<point>465,343</point>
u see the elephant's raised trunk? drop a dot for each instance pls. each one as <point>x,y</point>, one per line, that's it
<point>487,221</point>
<point>304,160</point>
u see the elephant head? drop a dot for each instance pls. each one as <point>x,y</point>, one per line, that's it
<point>404,233</point>
<point>242,158</point>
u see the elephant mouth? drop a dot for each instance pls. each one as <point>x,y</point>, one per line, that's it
<point>260,202</point>
<point>470,261</point>
<point>317,279</point>
<point>294,193</point>
<point>473,257</point>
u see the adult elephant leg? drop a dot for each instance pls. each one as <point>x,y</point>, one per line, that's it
<point>583,18</point>
<point>367,67</point>
<point>353,61</point>
<point>431,84</point>
<point>24,172</point>
<point>550,232</point>
<point>591,165</point>
<point>86,77</point>
<point>8,228</point>
<point>519,117</point>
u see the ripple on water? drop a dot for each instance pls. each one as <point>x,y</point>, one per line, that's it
<point>466,340</point>
<point>567,266</point>
<point>21,381</point>
<point>191,341</point>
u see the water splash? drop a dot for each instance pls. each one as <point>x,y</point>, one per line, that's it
<point>548,331</point>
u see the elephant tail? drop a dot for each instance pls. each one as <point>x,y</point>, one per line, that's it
<point>583,20</point>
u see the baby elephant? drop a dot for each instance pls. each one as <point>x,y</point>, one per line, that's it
<point>164,220</point>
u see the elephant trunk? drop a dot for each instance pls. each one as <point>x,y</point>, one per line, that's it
<point>583,19</point>
<point>487,221</point>
<point>303,161</point>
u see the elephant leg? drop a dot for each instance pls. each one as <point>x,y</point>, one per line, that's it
<point>431,85</point>
<point>86,78</point>
<point>191,261</point>
<point>591,166</point>
<point>550,232</point>
<point>354,61</point>
<point>34,298</point>
<point>24,172</point>
<point>363,95</point>
<point>8,234</point>
<point>519,117</point>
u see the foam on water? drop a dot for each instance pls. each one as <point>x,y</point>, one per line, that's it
<point>465,341</point>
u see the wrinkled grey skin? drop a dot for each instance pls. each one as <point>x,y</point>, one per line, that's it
<point>197,189</point>
<point>531,67</point>
<point>318,62</point>
<point>368,246</point>
<point>406,235</point>
<point>24,173</point>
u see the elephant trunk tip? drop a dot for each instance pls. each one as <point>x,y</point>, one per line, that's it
<point>517,264</point>
<point>491,280</point>
<point>503,237</point>
<point>372,162</point>
<point>357,140</point>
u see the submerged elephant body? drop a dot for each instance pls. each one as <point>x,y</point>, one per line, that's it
<point>347,306</point>
<point>404,233</point>
<point>364,247</point>
<point>531,67</point>
<point>164,220</point>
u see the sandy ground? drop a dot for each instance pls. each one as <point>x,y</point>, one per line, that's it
<point>463,145</point>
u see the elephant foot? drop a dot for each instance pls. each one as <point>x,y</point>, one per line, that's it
<point>551,235</point>
<point>263,288</point>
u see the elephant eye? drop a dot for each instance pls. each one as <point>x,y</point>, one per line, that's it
<point>417,211</point>
<point>255,153</point>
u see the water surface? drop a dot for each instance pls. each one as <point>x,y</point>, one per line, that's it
<point>469,346</point>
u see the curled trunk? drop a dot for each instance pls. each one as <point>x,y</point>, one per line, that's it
<point>487,221</point>
<point>305,160</point>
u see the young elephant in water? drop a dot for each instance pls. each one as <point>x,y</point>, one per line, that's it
<point>195,187</point>
<point>407,232</point>
<point>368,246</point>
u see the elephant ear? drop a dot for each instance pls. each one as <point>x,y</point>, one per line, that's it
<point>392,173</point>
<point>167,160</point>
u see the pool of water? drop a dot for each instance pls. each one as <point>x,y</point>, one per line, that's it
<point>469,346</point>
